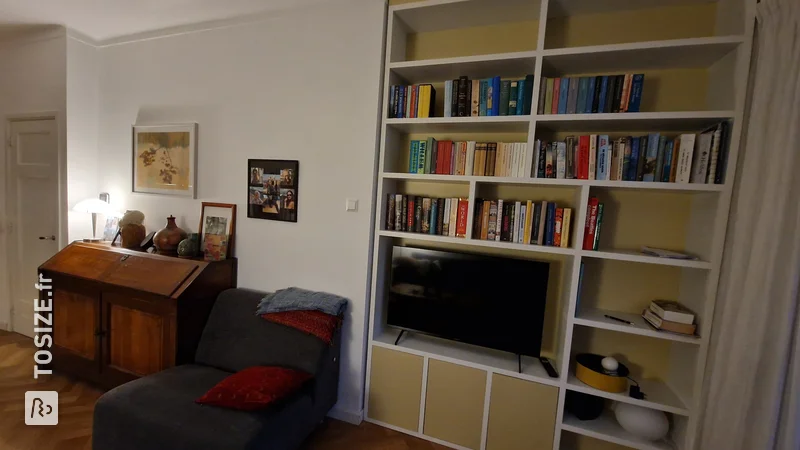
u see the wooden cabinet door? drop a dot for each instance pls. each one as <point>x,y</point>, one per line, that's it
<point>139,337</point>
<point>76,312</point>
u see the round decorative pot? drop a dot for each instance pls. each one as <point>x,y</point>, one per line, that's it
<point>167,239</point>
<point>132,235</point>
<point>643,422</point>
<point>189,247</point>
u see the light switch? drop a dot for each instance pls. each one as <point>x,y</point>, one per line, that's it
<point>352,204</point>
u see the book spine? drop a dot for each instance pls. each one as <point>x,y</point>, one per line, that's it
<point>601,106</point>
<point>401,109</point>
<point>477,218</point>
<point>621,161</point>
<point>470,153</point>
<point>499,221</point>
<point>722,161</point>
<point>521,97</point>
<point>651,157</point>
<point>612,170</point>
<point>398,212</point>
<point>598,86</point>
<point>463,90</point>
<point>440,217</point>
<point>556,95</point>
<point>413,156</point>
<point>669,150</point>
<point>542,95</point>
<point>461,223</point>
<point>491,156</point>
<point>485,214</point>
<point>565,227</point>
<point>597,226</point>
<point>515,222</point>
<point>561,160</point>
<point>454,98</point>
<point>512,98</point>
<point>496,96</point>
<point>490,94</point>
<point>475,98</point>
<point>434,219</point>
<point>527,100</point>
<point>390,212</point>
<point>634,160</point>
<point>549,168</point>
<point>418,214</point>
<point>453,217</point>
<point>591,220</point>
<point>572,97</point>
<point>448,98</point>
<point>569,148</point>
<point>636,92</point>
<point>551,223</point>
<point>701,159</point>
<point>436,157</point>
<point>640,164</point>
<point>491,234</point>
<point>394,95</point>
<point>484,96</point>
<point>618,84</point>
<point>557,227</point>
<point>537,218</point>
<point>685,157</point>
<point>541,168</point>
<point>712,164</point>
<point>446,220</point>
<point>626,158</point>
<point>602,157</point>
<point>410,211</point>
<point>592,157</point>
<point>626,93</point>
<point>582,161</point>
<point>583,88</point>
<point>403,218</point>
<point>505,95</point>
<point>590,87</point>
<point>662,149</point>
<point>563,95</point>
<point>548,99</point>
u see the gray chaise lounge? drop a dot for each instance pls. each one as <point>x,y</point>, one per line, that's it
<point>158,412</point>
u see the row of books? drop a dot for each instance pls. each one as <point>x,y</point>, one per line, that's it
<point>586,95</point>
<point>687,158</point>
<point>415,214</point>
<point>416,100</point>
<point>526,222</point>
<point>594,222</point>
<point>501,159</point>
<point>665,315</point>
<point>489,97</point>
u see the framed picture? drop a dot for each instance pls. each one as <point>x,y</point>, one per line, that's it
<point>111,229</point>
<point>165,160</point>
<point>272,186</point>
<point>217,221</point>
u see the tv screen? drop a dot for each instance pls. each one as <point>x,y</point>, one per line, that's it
<point>481,300</point>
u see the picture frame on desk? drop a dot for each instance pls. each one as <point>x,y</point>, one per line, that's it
<point>272,189</point>
<point>218,219</point>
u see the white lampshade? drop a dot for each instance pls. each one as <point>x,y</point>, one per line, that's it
<point>96,206</point>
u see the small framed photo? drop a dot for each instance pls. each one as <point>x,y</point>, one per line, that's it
<point>217,221</point>
<point>272,189</point>
<point>165,160</point>
<point>111,230</point>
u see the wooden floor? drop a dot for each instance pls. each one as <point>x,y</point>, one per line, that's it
<point>76,404</point>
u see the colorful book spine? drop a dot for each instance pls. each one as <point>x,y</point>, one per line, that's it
<point>561,160</point>
<point>548,99</point>
<point>521,89</point>
<point>592,156</point>
<point>651,157</point>
<point>463,211</point>
<point>499,220</point>
<point>590,87</point>
<point>572,98</point>
<point>626,159</point>
<point>527,101</point>
<point>483,101</point>
<point>634,159</point>
<point>496,96</point>
<point>582,162</point>
<point>712,164</point>
<point>637,85</point>
<point>662,148</point>
<point>505,95</point>
<point>597,227</point>
<point>667,169</point>
<point>643,146</point>
<point>601,107</point>
<point>557,227</point>
<point>551,223</point>
<point>390,212</point>
<point>475,98</point>
<point>563,94</point>
<point>512,98</point>
<point>583,89</point>
<point>591,221</point>
<point>542,95</point>
<point>556,95</point>
<point>413,157</point>
<point>448,98</point>
<point>603,158</point>
<point>565,227</point>
<point>596,87</point>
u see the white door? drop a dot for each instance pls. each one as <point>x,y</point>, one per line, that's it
<point>33,207</point>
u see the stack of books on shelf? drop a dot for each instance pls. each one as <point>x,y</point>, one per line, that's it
<point>670,316</point>
<point>415,214</point>
<point>527,222</point>
<point>408,102</point>
<point>489,97</point>
<point>499,159</point>
<point>594,221</point>
<point>586,95</point>
<point>686,158</point>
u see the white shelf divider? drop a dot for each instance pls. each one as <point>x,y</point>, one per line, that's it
<point>659,395</point>
<point>634,256</point>
<point>480,243</point>
<point>480,66</point>
<point>607,429</point>
<point>595,318</point>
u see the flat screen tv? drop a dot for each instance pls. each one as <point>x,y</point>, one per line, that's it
<point>481,300</point>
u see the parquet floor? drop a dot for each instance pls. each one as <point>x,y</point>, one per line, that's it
<point>76,404</point>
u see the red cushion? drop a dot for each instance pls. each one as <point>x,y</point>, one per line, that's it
<point>316,323</point>
<point>254,388</point>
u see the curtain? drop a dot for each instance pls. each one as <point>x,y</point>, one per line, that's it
<point>752,386</point>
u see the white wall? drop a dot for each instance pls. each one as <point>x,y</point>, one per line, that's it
<point>82,122</point>
<point>302,85</point>
<point>32,80</point>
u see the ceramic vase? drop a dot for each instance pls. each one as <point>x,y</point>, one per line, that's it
<point>189,247</point>
<point>167,239</point>
<point>646,423</point>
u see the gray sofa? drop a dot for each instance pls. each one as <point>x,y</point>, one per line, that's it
<point>159,411</point>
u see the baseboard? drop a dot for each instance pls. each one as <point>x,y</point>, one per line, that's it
<point>354,417</point>
<point>4,326</point>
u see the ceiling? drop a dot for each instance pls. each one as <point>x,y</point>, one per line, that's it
<point>107,19</point>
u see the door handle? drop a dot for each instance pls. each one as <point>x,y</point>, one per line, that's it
<point>47,238</point>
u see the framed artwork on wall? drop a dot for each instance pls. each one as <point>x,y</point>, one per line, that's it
<point>165,159</point>
<point>272,186</point>
<point>218,226</point>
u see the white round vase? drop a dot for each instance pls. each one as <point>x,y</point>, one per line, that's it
<point>643,422</point>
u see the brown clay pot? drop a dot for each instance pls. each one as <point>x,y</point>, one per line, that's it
<point>132,236</point>
<point>168,238</point>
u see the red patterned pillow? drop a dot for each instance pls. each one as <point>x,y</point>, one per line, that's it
<point>254,388</point>
<point>316,323</point>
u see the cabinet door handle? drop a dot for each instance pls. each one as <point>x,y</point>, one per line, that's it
<point>47,238</point>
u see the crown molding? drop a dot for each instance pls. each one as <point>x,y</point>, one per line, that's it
<point>33,34</point>
<point>82,38</point>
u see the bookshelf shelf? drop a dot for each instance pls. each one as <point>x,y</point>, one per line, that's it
<point>633,185</point>
<point>461,124</point>
<point>634,256</point>
<point>607,429</point>
<point>695,77</point>
<point>644,121</point>
<point>659,395</point>
<point>480,243</point>
<point>671,54</point>
<point>460,353</point>
<point>483,66</point>
<point>595,318</point>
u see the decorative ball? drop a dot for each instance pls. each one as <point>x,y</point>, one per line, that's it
<point>132,217</point>
<point>610,364</point>
<point>643,422</point>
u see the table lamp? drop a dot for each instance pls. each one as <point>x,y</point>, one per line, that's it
<point>96,206</point>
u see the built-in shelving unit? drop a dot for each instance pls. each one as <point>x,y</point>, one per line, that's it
<point>695,55</point>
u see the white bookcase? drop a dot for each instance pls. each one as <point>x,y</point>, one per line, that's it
<point>695,215</point>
